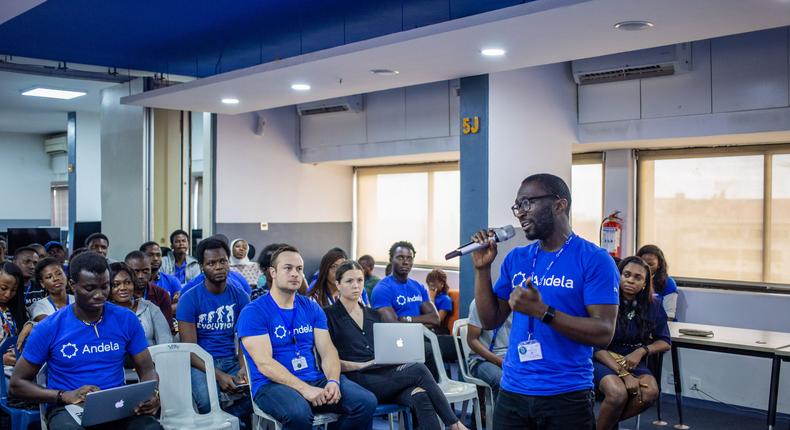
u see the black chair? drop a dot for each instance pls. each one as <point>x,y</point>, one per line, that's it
<point>251,251</point>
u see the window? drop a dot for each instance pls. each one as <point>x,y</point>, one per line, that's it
<point>587,195</point>
<point>59,214</point>
<point>718,213</point>
<point>417,203</point>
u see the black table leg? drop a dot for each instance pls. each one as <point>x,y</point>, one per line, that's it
<point>678,388</point>
<point>659,361</point>
<point>776,365</point>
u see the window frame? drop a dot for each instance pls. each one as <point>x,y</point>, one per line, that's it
<point>429,168</point>
<point>586,158</point>
<point>767,151</point>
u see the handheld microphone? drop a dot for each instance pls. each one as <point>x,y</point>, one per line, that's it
<point>501,234</point>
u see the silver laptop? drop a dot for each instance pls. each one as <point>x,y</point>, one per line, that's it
<point>398,343</point>
<point>111,404</point>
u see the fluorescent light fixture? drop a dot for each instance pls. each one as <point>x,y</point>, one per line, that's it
<point>633,25</point>
<point>53,93</point>
<point>230,101</point>
<point>300,87</point>
<point>493,52</point>
<point>384,72</point>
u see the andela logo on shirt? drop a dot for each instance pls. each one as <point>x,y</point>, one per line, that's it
<point>70,350</point>
<point>520,280</point>
<point>402,300</point>
<point>280,331</point>
<point>222,318</point>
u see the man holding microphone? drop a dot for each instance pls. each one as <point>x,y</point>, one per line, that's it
<point>563,292</point>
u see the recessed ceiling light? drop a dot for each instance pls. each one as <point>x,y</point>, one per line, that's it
<point>633,25</point>
<point>300,87</point>
<point>230,101</point>
<point>493,52</point>
<point>384,72</point>
<point>53,93</point>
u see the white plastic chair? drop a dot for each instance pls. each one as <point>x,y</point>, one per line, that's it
<point>175,389</point>
<point>261,420</point>
<point>462,349</point>
<point>454,391</point>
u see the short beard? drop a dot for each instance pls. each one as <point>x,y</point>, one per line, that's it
<point>544,225</point>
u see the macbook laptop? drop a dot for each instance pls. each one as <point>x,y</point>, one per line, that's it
<point>398,343</point>
<point>111,404</point>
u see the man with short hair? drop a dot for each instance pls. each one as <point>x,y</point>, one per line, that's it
<point>207,315</point>
<point>563,292</point>
<point>179,263</point>
<point>55,250</point>
<point>167,282</point>
<point>40,250</point>
<point>399,298</point>
<point>26,259</point>
<point>368,264</point>
<point>278,332</point>
<point>140,265</point>
<point>264,261</point>
<point>84,346</point>
<point>98,243</point>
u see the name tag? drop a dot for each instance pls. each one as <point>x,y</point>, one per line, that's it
<point>529,351</point>
<point>299,363</point>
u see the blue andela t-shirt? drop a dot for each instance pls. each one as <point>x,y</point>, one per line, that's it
<point>405,298</point>
<point>670,287</point>
<point>263,316</point>
<point>215,317</point>
<point>583,275</point>
<point>443,302</point>
<point>76,356</point>
<point>168,283</point>
<point>235,279</point>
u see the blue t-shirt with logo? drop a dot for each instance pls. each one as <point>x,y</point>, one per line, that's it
<point>670,287</point>
<point>75,356</point>
<point>168,283</point>
<point>235,279</point>
<point>443,302</point>
<point>215,317</point>
<point>405,298</point>
<point>583,275</point>
<point>263,316</point>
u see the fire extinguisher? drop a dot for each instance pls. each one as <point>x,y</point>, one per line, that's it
<point>611,230</point>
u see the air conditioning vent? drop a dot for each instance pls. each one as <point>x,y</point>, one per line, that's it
<point>642,64</point>
<point>341,104</point>
<point>626,74</point>
<point>324,109</point>
<point>56,144</point>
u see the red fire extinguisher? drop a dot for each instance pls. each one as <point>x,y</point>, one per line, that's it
<point>611,230</point>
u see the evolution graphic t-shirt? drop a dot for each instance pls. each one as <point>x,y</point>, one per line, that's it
<point>214,316</point>
<point>76,356</point>
<point>406,298</point>
<point>583,275</point>
<point>263,316</point>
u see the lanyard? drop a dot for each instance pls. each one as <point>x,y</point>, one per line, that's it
<point>493,339</point>
<point>145,292</point>
<point>545,272</point>
<point>53,303</point>
<point>289,327</point>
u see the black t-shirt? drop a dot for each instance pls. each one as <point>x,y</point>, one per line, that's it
<point>352,342</point>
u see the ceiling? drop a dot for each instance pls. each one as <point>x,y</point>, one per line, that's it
<point>23,114</point>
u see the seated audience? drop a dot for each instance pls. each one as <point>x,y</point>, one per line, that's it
<point>368,264</point>
<point>26,259</point>
<point>140,266</point>
<point>40,250</point>
<point>438,292</point>
<point>351,327</point>
<point>621,372</point>
<point>324,291</point>
<point>56,250</point>
<point>162,280</point>
<point>154,324</point>
<point>50,275</point>
<point>235,280</point>
<point>278,332</point>
<point>264,260</point>
<point>178,262</point>
<point>488,349</point>
<point>240,262</point>
<point>98,243</point>
<point>12,308</point>
<point>207,315</point>
<point>84,347</point>
<point>664,287</point>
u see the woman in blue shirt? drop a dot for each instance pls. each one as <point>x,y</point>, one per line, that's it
<point>621,372</point>
<point>324,289</point>
<point>664,287</point>
<point>437,290</point>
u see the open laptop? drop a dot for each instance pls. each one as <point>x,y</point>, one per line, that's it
<point>398,343</point>
<point>111,404</point>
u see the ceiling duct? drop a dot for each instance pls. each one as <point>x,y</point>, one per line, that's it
<point>340,104</point>
<point>642,64</point>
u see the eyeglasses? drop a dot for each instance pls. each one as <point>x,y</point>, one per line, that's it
<point>527,203</point>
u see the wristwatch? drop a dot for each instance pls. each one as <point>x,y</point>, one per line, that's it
<point>407,318</point>
<point>548,316</point>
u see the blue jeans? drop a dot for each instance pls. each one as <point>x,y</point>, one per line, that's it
<point>287,406</point>
<point>490,373</point>
<point>241,407</point>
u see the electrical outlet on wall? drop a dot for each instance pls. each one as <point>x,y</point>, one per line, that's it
<point>264,226</point>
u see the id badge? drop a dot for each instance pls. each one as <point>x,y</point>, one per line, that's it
<point>299,363</point>
<point>529,350</point>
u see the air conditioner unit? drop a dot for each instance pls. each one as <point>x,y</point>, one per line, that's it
<point>645,63</point>
<point>56,144</point>
<point>340,104</point>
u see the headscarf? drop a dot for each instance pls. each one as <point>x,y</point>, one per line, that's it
<point>239,261</point>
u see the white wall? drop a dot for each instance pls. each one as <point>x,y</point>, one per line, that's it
<point>25,177</point>
<point>88,168</point>
<point>402,121</point>
<point>260,178</point>
<point>619,195</point>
